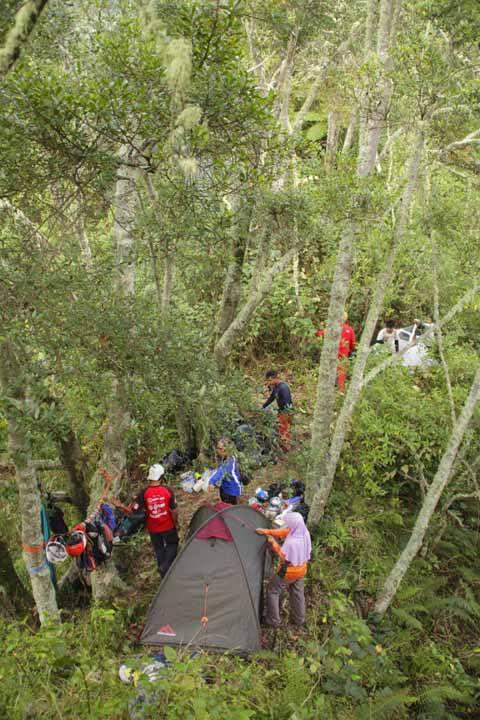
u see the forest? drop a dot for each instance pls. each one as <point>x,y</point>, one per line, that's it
<point>193,194</point>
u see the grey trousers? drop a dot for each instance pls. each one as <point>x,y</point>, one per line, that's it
<point>276,587</point>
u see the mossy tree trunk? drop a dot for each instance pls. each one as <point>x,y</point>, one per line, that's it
<point>327,461</point>
<point>237,327</point>
<point>12,382</point>
<point>75,463</point>
<point>17,597</point>
<point>368,147</point>
<point>435,490</point>
<point>105,581</point>
<point>25,20</point>
<point>232,288</point>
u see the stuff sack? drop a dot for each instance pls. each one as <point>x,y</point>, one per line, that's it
<point>130,524</point>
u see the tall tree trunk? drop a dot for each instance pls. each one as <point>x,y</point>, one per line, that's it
<point>349,136</point>
<point>325,398</point>
<point>16,595</point>
<point>12,384</point>
<point>374,115</point>
<point>75,463</point>
<point>83,241</point>
<point>332,141</point>
<point>235,330</point>
<point>105,580</point>
<point>370,24</point>
<point>114,458</point>
<point>165,289</point>
<point>435,490</point>
<point>72,457</point>
<point>284,84</point>
<point>296,270</point>
<point>125,207</point>
<point>438,329</point>
<point>232,289</point>
<point>168,278</point>
<point>328,468</point>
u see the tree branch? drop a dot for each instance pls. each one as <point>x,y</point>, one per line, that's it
<point>436,317</point>
<point>320,79</point>
<point>25,20</point>
<point>470,139</point>
<point>225,344</point>
<point>20,216</point>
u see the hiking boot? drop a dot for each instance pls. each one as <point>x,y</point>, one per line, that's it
<point>269,639</point>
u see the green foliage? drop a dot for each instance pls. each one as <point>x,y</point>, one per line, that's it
<point>180,85</point>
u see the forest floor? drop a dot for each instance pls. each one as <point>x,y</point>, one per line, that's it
<point>285,467</point>
<point>422,661</point>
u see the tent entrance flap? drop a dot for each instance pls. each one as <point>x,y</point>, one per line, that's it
<point>214,528</point>
<point>211,597</point>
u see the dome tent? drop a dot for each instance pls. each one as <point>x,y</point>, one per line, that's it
<point>212,595</point>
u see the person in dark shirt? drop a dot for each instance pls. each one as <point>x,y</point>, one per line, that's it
<point>160,507</point>
<point>280,391</point>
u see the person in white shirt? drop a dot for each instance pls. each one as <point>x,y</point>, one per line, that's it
<point>388,336</point>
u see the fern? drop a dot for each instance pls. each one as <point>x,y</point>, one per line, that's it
<point>443,693</point>
<point>469,574</point>
<point>464,608</point>
<point>408,592</point>
<point>384,705</point>
<point>406,618</point>
<point>418,607</point>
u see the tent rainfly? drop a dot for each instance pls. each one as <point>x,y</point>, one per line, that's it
<point>211,596</point>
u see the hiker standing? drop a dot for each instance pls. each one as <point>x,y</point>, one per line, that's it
<point>227,475</point>
<point>293,555</point>
<point>346,346</point>
<point>388,336</point>
<point>280,391</point>
<point>160,507</point>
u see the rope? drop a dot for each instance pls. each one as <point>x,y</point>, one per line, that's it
<point>204,618</point>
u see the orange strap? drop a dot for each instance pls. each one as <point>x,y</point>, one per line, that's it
<point>108,483</point>
<point>33,549</point>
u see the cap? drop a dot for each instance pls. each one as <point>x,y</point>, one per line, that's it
<point>155,472</point>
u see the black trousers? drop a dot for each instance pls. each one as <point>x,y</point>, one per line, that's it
<point>165,546</point>
<point>226,498</point>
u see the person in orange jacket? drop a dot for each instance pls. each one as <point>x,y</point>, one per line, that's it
<point>293,558</point>
<point>346,346</point>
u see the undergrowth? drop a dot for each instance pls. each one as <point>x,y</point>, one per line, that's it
<point>422,661</point>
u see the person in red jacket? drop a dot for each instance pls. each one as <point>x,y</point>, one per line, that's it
<point>160,507</point>
<point>346,346</point>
